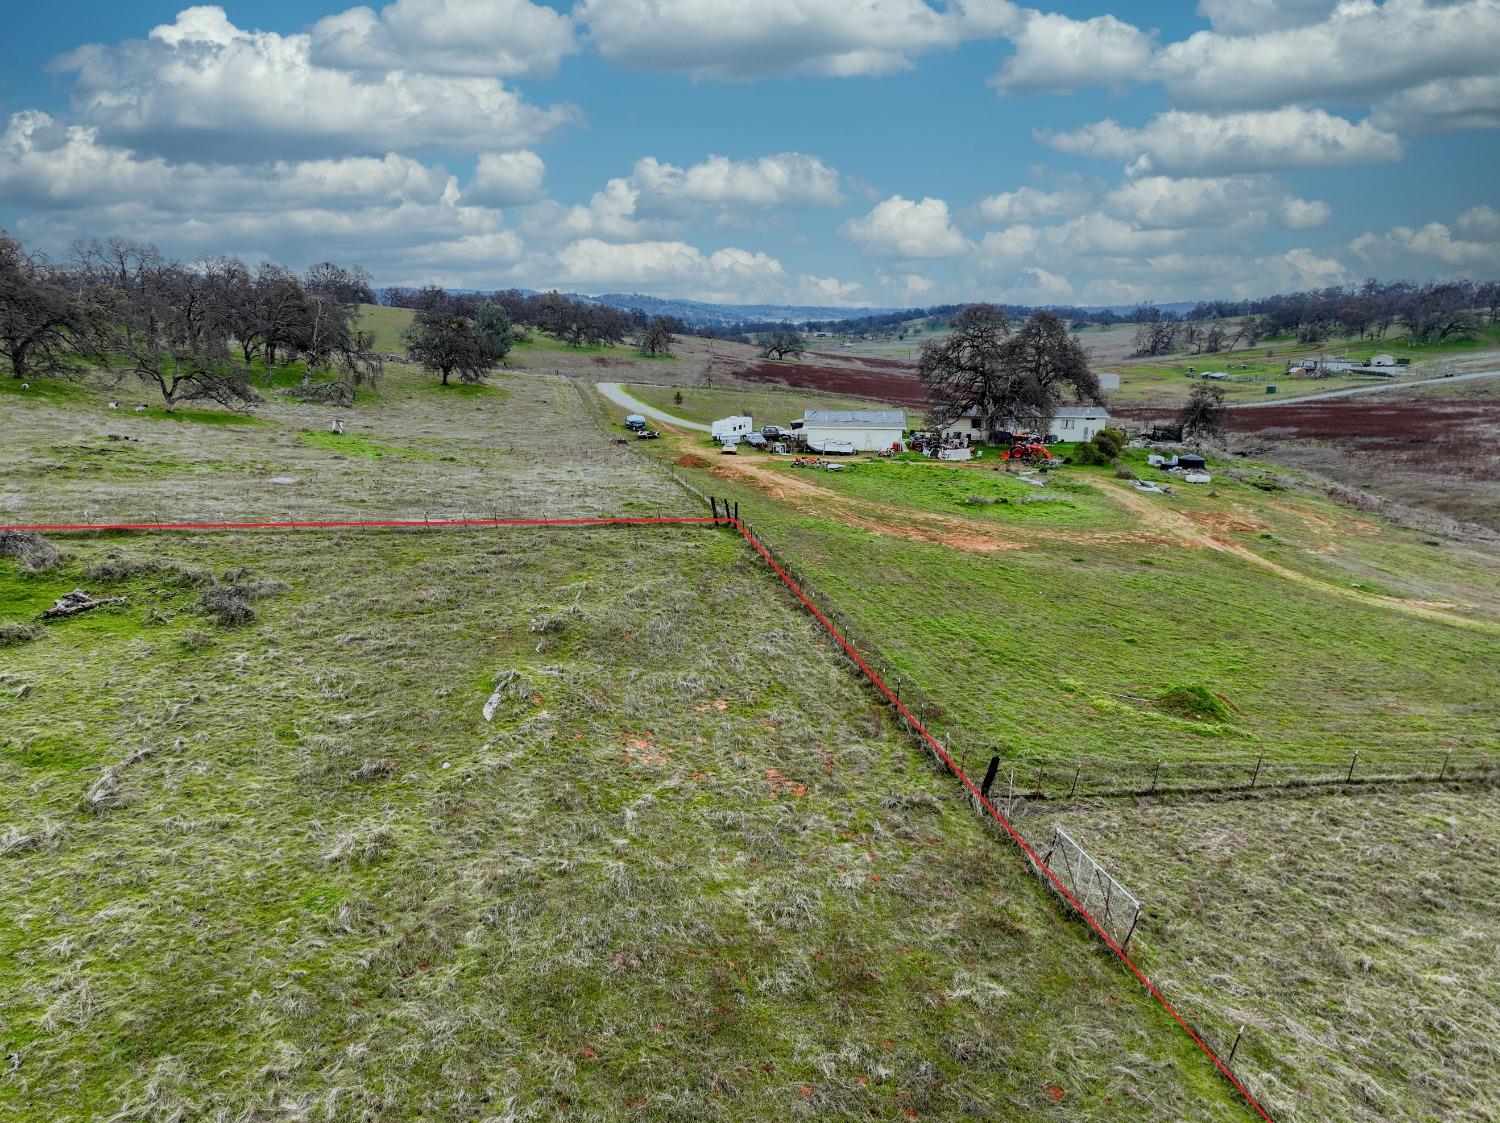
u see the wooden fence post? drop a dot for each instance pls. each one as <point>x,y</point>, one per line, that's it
<point>989,777</point>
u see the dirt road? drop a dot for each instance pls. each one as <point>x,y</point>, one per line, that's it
<point>617,394</point>
<point>1351,391</point>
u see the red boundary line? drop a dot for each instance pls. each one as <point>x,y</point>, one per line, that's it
<point>849,650</point>
<point>338,524</point>
<point>1015,835</point>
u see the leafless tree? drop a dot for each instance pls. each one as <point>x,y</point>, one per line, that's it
<point>447,342</point>
<point>1007,379</point>
<point>1246,331</point>
<point>655,339</point>
<point>1156,337</point>
<point>39,312</point>
<point>781,344</point>
<point>1203,415</point>
<point>166,325</point>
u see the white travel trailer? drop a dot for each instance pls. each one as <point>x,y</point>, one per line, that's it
<point>730,430</point>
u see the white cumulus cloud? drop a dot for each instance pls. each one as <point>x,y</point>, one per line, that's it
<point>486,38</point>
<point>1447,105</point>
<point>675,267</point>
<point>1360,51</point>
<point>906,228</point>
<point>1162,201</point>
<point>1245,17</point>
<point>1182,143</point>
<point>1055,54</point>
<point>204,88</point>
<point>783,179</point>
<point>742,39</point>
<point>1026,204</point>
<point>1434,250</point>
<point>503,178</point>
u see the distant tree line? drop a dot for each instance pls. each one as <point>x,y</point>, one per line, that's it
<point>578,323</point>
<point>1431,312</point>
<point>193,332</point>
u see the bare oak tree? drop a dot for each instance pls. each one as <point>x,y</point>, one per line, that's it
<point>655,339</point>
<point>1006,379</point>
<point>1203,415</point>
<point>39,313</point>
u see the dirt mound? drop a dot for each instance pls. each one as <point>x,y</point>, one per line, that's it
<point>691,460</point>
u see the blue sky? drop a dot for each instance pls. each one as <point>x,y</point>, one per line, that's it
<point>884,152</point>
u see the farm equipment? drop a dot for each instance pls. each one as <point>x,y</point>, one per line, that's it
<point>1027,450</point>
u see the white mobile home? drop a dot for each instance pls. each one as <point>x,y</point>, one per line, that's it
<point>865,430</point>
<point>1070,423</point>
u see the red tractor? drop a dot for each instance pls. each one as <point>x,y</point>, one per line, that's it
<point>1026,448</point>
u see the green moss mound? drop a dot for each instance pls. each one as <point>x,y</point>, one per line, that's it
<point>1193,701</point>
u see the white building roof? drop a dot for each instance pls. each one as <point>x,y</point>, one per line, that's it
<point>1081,411</point>
<point>861,418</point>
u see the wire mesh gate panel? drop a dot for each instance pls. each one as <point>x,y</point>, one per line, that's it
<point>1097,892</point>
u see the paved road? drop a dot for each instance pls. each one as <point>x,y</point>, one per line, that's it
<point>616,393</point>
<point>1273,401</point>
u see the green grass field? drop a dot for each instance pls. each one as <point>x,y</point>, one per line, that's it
<point>765,406</point>
<point>1349,934</point>
<point>688,869</point>
<point>1058,649</point>
<point>289,861</point>
<point>386,324</point>
<point>1169,379</point>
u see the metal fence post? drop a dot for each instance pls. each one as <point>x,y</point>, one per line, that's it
<point>1155,772</point>
<point>1076,772</point>
<point>1443,771</point>
<point>1134,920</point>
<point>1353,760</point>
<point>1254,775</point>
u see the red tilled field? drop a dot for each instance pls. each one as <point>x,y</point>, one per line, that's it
<point>1435,454</point>
<point>864,360</point>
<point>861,381</point>
<point>1456,435</point>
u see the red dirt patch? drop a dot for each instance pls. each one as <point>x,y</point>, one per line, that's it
<point>691,460</point>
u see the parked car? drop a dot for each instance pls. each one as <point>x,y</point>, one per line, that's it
<point>646,434</point>
<point>755,440</point>
<point>635,421</point>
<point>774,432</point>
